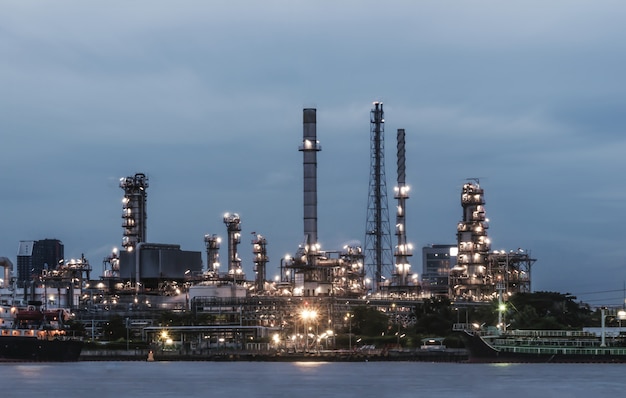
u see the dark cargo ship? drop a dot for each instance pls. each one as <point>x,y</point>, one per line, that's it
<point>38,335</point>
<point>543,346</point>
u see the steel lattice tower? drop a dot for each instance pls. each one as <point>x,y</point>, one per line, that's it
<point>378,252</point>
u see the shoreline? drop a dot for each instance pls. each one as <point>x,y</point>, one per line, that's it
<point>397,356</point>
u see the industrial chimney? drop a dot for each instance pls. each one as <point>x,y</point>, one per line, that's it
<point>310,146</point>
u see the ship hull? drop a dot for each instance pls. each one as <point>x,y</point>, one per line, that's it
<point>480,351</point>
<point>21,348</point>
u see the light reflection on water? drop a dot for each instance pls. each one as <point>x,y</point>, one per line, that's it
<point>30,372</point>
<point>502,365</point>
<point>310,379</point>
<point>309,365</point>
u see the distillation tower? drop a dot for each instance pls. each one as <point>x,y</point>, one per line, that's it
<point>259,251</point>
<point>377,232</point>
<point>212,244</point>
<point>233,227</point>
<point>403,249</point>
<point>470,278</point>
<point>134,210</point>
<point>482,274</point>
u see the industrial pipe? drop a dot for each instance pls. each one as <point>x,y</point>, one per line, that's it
<point>8,267</point>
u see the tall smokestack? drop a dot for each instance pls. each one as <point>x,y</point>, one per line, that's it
<point>310,147</point>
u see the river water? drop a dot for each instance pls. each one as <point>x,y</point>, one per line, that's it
<point>310,379</point>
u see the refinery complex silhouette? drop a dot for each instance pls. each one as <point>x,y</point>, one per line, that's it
<point>314,286</point>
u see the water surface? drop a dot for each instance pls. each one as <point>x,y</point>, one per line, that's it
<point>310,379</point>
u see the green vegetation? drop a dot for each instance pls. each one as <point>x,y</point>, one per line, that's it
<point>76,328</point>
<point>435,318</point>
<point>548,310</point>
<point>114,329</point>
<point>115,345</point>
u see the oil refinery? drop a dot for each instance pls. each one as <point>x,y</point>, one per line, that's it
<point>316,290</point>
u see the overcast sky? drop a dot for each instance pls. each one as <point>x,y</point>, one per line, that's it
<point>206,98</point>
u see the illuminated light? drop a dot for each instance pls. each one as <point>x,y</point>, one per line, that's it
<point>308,314</point>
